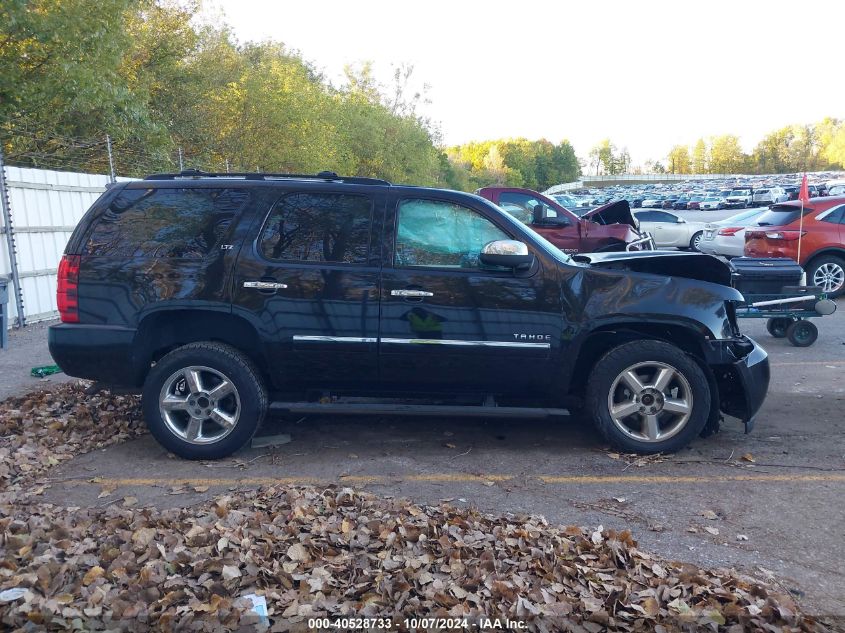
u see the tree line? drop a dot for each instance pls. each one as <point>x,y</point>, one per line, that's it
<point>167,85</point>
<point>162,83</point>
<point>793,148</point>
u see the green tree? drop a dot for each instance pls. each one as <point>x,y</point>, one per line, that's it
<point>726,155</point>
<point>679,160</point>
<point>700,157</point>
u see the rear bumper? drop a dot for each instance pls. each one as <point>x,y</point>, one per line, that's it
<point>743,382</point>
<point>96,352</point>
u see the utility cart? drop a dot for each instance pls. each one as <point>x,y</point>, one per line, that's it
<point>773,290</point>
<point>787,313</point>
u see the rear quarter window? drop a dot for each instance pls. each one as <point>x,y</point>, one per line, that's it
<point>172,223</point>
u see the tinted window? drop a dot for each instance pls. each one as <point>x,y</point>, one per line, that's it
<point>522,206</point>
<point>835,216</point>
<point>781,215</point>
<point>181,223</point>
<point>442,234</point>
<point>657,216</point>
<point>318,227</point>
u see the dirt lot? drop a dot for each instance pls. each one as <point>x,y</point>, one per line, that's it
<point>781,512</point>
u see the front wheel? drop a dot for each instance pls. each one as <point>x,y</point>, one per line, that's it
<point>802,333</point>
<point>204,401</point>
<point>648,397</point>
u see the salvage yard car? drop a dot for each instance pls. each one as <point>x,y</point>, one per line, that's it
<point>669,230</point>
<point>223,296</point>
<point>610,227</point>
<point>822,234</point>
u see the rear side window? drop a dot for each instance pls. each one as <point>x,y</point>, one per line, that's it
<point>318,227</point>
<point>176,223</point>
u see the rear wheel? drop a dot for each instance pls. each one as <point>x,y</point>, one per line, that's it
<point>204,401</point>
<point>648,397</point>
<point>802,333</point>
<point>828,273</point>
<point>777,326</point>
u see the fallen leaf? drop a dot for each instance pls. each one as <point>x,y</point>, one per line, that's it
<point>711,530</point>
<point>230,572</point>
<point>748,457</point>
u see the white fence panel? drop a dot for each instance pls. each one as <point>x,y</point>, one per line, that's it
<point>46,206</point>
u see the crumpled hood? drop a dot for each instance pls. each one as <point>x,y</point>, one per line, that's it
<point>618,212</point>
<point>668,263</point>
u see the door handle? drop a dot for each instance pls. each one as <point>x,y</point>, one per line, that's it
<point>411,293</point>
<point>265,285</point>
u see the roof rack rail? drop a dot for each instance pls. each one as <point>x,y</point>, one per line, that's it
<point>328,176</point>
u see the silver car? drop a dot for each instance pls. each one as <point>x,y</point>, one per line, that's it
<point>668,229</point>
<point>727,237</point>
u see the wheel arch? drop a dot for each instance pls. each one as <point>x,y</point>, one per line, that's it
<point>830,250</point>
<point>163,331</point>
<point>603,338</point>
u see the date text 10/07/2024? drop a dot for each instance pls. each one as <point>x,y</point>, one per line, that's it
<point>442,624</point>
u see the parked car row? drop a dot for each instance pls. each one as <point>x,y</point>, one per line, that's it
<point>778,230</point>
<point>734,192</point>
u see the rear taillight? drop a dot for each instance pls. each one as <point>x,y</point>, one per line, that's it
<point>67,297</point>
<point>731,230</point>
<point>788,236</point>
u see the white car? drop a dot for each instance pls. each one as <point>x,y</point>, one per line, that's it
<point>712,203</point>
<point>740,198</point>
<point>653,202</point>
<point>668,229</point>
<point>727,237</point>
<point>769,196</point>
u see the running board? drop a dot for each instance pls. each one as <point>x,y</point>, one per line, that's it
<point>349,408</point>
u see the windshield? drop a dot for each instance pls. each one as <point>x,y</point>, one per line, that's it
<point>759,191</point>
<point>711,200</point>
<point>739,192</point>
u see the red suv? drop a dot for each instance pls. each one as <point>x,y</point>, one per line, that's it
<point>611,227</point>
<point>822,239</point>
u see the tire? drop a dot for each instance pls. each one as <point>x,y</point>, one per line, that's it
<point>205,419</point>
<point>695,242</point>
<point>802,333</point>
<point>648,428</point>
<point>828,273</point>
<point>777,326</point>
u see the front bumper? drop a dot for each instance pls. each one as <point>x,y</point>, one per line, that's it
<point>741,369</point>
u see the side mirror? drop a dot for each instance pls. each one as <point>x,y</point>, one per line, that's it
<point>506,253</point>
<point>681,221</point>
<point>538,214</point>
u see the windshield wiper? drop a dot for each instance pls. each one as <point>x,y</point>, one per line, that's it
<point>764,224</point>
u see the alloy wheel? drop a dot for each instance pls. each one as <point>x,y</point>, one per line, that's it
<point>199,405</point>
<point>650,401</point>
<point>830,277</point>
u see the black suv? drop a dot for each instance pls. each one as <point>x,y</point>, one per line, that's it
<point>221,296</point>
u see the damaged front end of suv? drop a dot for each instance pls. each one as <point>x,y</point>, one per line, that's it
<point>686,299</point>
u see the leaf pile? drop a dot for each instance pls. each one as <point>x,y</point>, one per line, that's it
<point>40,429</point>
<point>335,552</point>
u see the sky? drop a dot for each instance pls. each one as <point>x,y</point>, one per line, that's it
<point>646,74</point>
